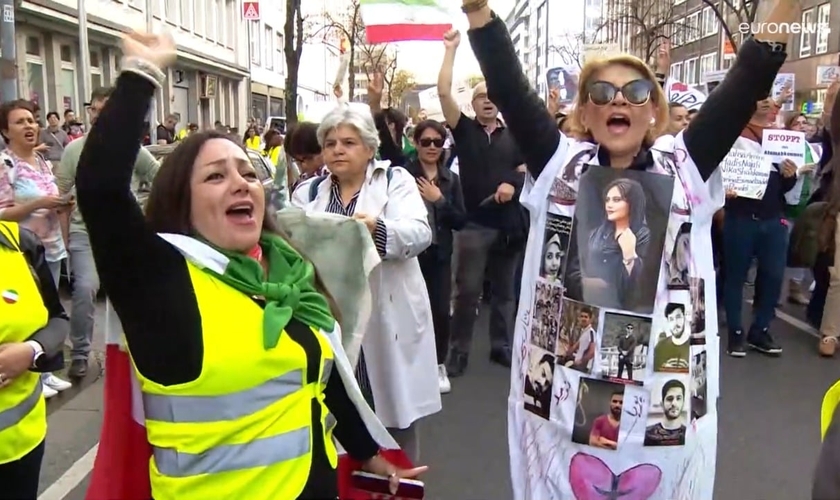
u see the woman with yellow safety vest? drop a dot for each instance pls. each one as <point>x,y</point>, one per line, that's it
<point>251,138</point>
<point>231,336</point>
<point>33,326</point>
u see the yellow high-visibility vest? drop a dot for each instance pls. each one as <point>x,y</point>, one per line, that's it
<point>23,413</point>
<point>829,405</point>
<point>243,429</point>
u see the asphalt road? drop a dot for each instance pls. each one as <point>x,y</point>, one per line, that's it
<point>768,439</point>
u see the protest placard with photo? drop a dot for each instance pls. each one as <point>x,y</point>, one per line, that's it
<point>784,80</point>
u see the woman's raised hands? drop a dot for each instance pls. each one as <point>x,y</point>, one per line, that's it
<point>155,49</point>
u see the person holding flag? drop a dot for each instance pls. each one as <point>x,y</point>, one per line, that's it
<point>205,286</point>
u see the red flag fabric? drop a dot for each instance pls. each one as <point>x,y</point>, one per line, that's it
<point>121,469</point>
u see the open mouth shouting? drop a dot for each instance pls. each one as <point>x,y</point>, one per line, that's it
<point>618,123</point>
<point>241,213</point>
<point>30,136</point>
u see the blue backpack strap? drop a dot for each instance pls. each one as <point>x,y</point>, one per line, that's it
<point>313,188</point>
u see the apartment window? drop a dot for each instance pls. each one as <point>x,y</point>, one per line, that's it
<point>66,54</point>
<point>823,15</point>
<point>678,35</point>
<point>185,6</point>
<point>170,10</point>
<point>692,27</point>
<point>268,46</point>
<point>221,24</point>
<point>36,72</point>
<point>710,22</point>
<point>805,36</point>
<point>676,71</point>
<point>255,42</point>
<point>200,15</point>
<point>209,21</point>
<point>67,79</point>
<point>95,69</point>
<point>281,54</point>
<point>232,13</point>
<point>690,71</point>
<point>708,63</point>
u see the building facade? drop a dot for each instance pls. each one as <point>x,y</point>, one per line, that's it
<point>268,61</point>
<point>207,84</point>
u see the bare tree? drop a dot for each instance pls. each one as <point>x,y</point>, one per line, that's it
<point>570,50</point>
<point>293,39</point>
<point>400,82</point>
<point>640,26</point>
<point>349,28</point>
<point>732,13</point>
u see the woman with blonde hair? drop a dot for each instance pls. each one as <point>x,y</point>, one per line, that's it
<point>615,128</point>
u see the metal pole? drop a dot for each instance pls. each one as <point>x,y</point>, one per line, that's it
<point>150,28</point>
<point>84,55</point>
<point>8,61</point>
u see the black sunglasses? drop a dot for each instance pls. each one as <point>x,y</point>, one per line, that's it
<point>428,141</point>
<point>637,92</point>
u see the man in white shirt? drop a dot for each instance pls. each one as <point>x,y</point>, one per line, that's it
<point>584,348</point>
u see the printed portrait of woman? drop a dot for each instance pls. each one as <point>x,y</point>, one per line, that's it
<point>555,247</point>
<point>619,230</point>
<point>680,258</point>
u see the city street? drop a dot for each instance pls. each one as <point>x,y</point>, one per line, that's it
<point>768,440</point>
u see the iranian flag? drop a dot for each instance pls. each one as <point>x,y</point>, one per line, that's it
<point>404,20</point>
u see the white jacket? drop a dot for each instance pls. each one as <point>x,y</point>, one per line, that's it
<point>399,341</point>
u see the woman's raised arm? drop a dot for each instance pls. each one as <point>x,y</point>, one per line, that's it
<point>525,114</point>
<point>726,112</point>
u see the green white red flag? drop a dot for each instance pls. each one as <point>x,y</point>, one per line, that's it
<point>404,20</point>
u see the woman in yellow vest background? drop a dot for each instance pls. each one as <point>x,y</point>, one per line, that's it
<point>273,146</point>
<point>252,138</point>
<point>33,326</point>
<point>228,328</point>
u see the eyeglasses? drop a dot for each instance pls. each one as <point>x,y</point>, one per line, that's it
<point>428,141</point>
<point>637,92</point>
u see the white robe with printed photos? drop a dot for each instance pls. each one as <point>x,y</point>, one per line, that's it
<point>545,462</point>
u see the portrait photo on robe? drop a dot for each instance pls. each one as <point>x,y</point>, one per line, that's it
<point>679,258</point>
<point>600,404</point>
<point>618,235</point>
<point>555,248</point>
<point>672,336</point>
<point>698,386</point>
<point>539,381</point>
<point>577,343</point>
<point>545,323</point>
<point>697,294</point>
<point>668,412</point>
<point>625,340</point>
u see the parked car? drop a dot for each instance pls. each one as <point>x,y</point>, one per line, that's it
<point>276,187</point>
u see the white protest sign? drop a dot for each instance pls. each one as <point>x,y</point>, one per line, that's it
<point>827,74</point>
<point>779,145</point>
<point>681,93</point>
<point>599,51</point>
<point>713,79</point>
<point>746,173</point>
<point>779,83</point>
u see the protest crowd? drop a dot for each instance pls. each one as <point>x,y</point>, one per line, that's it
<point>578,220</point>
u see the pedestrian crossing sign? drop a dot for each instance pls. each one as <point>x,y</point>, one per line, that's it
<point>251,11</point>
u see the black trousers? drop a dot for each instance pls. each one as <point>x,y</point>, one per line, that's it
<point>19,479</point>
<point>437,272</point>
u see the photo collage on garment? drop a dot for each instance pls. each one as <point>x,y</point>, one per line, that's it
<point>600,320</point>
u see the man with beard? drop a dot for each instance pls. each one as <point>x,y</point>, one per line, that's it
<point>671,430</point>
<point>672,352</point>
<point>604,432</point>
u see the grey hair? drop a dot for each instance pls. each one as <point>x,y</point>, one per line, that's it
<point>359,119</point>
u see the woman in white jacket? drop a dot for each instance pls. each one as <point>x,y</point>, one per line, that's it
<point>397,368</point>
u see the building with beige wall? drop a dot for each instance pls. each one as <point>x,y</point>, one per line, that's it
<point>208,83</point>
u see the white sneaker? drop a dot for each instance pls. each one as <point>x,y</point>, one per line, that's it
<point>443,380</point>
<point>55,383</point>
<point>48,391</point>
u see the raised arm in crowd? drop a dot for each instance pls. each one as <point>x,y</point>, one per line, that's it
<point>709,136</point>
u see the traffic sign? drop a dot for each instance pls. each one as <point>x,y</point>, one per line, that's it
<point>251,11</point>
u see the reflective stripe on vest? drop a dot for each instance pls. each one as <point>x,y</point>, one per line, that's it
<point>15,414</point>
<point>231,457</point>
<point>194,409</point>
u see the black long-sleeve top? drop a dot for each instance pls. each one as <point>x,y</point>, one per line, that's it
<point>148,281</point>
<point>51,336</point>
<point>388,147</point>
<point>708,138</point>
